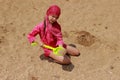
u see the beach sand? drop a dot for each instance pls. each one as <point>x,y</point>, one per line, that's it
<point>92,25</point>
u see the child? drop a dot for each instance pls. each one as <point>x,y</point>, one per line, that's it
<point>50,34</point>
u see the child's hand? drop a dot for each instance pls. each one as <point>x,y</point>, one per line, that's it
<point>34,44</point>
<point>62,50</point>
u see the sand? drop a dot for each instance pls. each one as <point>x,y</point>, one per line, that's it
<point>92,25</point>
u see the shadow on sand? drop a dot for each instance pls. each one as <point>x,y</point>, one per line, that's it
<point>68,67</point>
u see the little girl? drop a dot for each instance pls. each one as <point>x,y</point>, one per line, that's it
<point>50,34</point>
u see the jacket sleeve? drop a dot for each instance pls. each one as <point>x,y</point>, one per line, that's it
<point>58,34</point>
<point>59,39</point>
<point>33,33</point>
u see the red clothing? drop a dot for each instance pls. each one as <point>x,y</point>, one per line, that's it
<point>52,35</point>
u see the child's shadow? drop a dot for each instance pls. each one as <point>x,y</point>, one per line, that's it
<point>68,67</point>
<point>42,57</point>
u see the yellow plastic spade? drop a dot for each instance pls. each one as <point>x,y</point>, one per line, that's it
<point>55,50</point>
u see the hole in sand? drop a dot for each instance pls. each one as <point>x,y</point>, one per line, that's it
<point>85,38</point>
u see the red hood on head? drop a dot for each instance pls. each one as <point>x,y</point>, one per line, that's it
<point>53,10</point>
